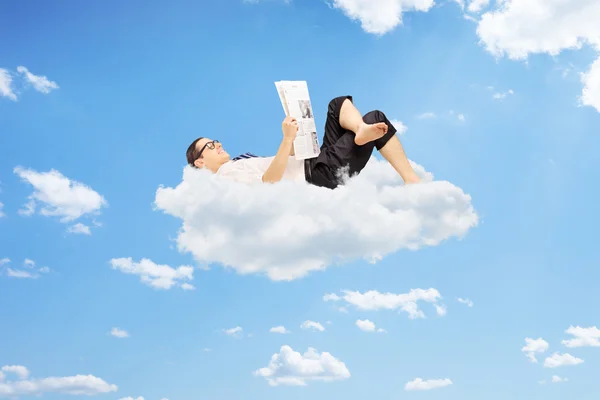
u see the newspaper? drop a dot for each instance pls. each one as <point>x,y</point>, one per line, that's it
<point>296,103</point>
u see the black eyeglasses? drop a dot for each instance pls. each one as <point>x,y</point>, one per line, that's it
<point>210,145</point>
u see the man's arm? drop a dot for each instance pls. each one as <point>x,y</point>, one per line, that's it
<point>277,168</point>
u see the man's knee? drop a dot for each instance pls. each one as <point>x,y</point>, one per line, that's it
<point>375,116</point>
<point>335,105</point>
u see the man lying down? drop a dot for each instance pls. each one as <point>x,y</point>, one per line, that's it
<point>348,142</point>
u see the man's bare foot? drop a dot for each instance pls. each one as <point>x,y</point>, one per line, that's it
<point>368,132</point>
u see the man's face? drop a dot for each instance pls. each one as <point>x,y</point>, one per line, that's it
<point>213,154</point>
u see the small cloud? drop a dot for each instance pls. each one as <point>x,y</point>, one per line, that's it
<point>426,115</point>
<point>583,337</point>
<point>155,275</point>
<point>19,370</point>
<point>440,310</point>
<point>79,229</point>
<point>408,302</point>
<point>119,333</point>
<point>461,117</point>
<point>558,379</point>
<point>559,360</point>
<point>315,326</point>
<point>236,332</point>
<point>15,273</point>
<point>420,384</point>
<point>39,83</point>
<point>292,368</point>
<point>468,302</point>
<point>400,127</point>
<point>279,329</point>
<point>533,346</point>
<point>59,196</point>
<point>502,95</point>
<point>6,89</point>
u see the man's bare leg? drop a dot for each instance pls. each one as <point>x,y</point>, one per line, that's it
<point>352,120</point>
<point>394,153</point>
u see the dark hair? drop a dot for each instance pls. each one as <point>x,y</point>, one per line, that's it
<point>192,152</point>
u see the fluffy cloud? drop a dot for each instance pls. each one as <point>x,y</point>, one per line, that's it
<point>234,332</point>
<point>60,196</point>
<point>289,367</point>
<point>476,6</point>
<point>119,333</point>
<point>380,16</point>
<point>132,398</point>
<point>374,300</point>
<point>559,360</point>
<point>591,86</point>
<point>79,229</point>
<point>427,115</point>
<point>583,337</point>
<point>420,384</point>
<point>279,329</point>
<point>533,346</point>
<point>246,227</point>
<point>519,28</point>
<point>155,275</point>
<point>315,326</point>
<point>39,83</point>
<point>19,370</point>
<point>558,379</point>
<point>400,127</point>
<point>1,204</point>
<point>367,326</point>
<point>79,385</point>
<point>6,85</point>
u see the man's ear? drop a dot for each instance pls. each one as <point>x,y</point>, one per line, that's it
<point>199,163</point>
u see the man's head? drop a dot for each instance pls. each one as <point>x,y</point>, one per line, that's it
<point>206,153</point>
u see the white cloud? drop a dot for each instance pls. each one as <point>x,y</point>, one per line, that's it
<point>420,384</point>
<point>583,337</point>
<point>461,117</point>
<point>407,302</point>
<point>331,297</point>
<point>119,333</point>
<point>279,329</point>
<point>246,227</point>
<point>558,379</point>
<point>559,360</point>
<point>132,398</point>
<point>591,86</point>
<point>476,6</point>
<point>155,275</point>
<point>468,302</point>
<point>289,367</point>
<point>6,85</point>
<point>61,196</point>
<point>380,16</point>
<point>1,212</point>
<point>533,346</point>
<point>80,229</point>
<point>315,326</point>
<point>18,273</point>
<point>39,83</point>
<point>368,326</point>
<point>4,261</point>
<point>400,127</point>
<point>19,370</point>
<point>502,95</point>
<point>519,28</point>
<point>441,310</point>
<point>82,385</point>
<point>427,115</point>
<point>234,332</point>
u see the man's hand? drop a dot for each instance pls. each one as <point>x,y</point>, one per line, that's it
<point>289,127</point>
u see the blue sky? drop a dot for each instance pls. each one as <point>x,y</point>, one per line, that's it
<point>99,101</point>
